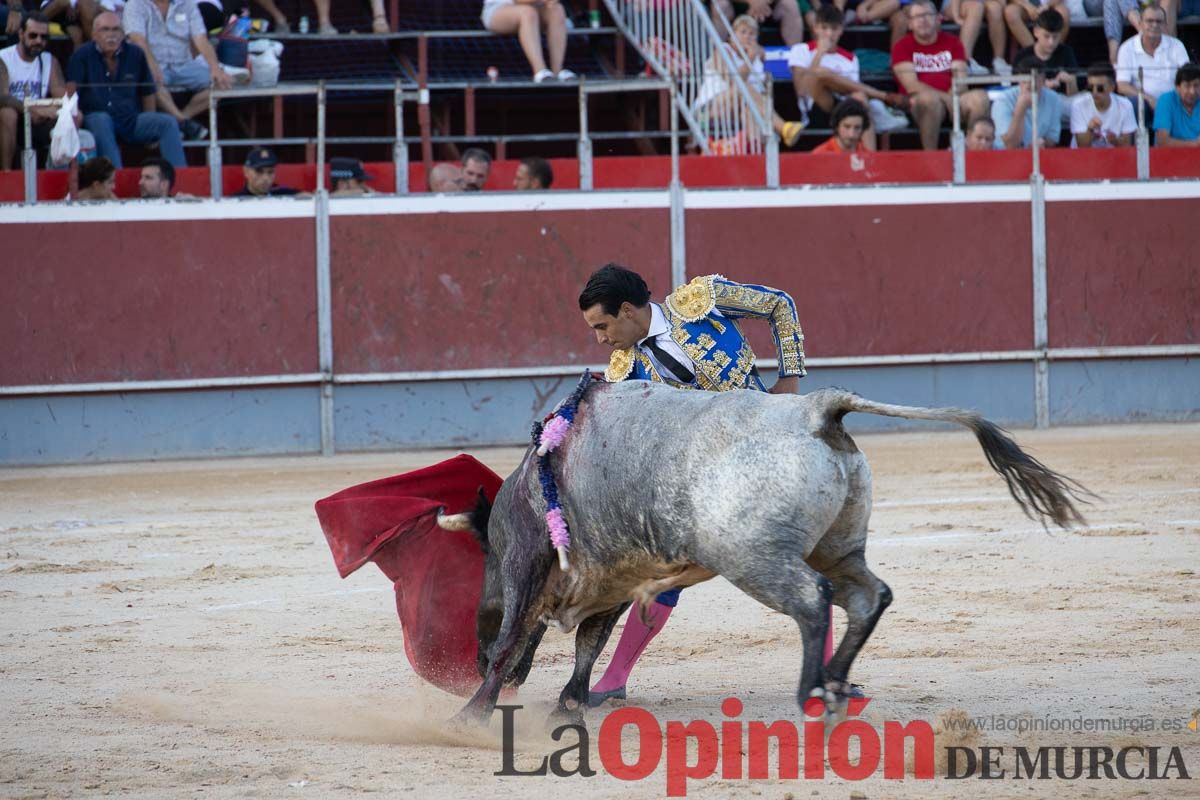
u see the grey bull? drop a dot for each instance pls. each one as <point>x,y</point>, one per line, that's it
<point>666,488</point>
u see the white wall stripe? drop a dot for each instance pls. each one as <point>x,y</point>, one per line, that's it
<point>1182,189</point>
<point>158,210</point>
<point>809,196</point>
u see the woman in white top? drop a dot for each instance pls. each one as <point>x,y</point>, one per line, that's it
<point>527,18</point>
<point>717,99</point>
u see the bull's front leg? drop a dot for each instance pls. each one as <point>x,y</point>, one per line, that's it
<point>590,637</point>
<point>524,579</point>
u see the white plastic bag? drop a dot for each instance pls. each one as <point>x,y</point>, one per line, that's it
<point>64,139</point>
<point>264,62</point>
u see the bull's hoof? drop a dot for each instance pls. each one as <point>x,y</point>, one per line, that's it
<point>596,699</point>
<point>470,718</point>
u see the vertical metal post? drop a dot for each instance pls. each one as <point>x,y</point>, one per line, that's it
<point>958,149</point>
<point>1035,84</point>
<point>1041,338</point>
<point>399,148</point>
<point>1142,137</point>
<point>678,238</point>
<point>29,160</point>
<point>585,141</point>
<point>320,135</point>
<point>214,151</point>
<point>423,118</point>
<point>324,321</point>
<point>772,144</point>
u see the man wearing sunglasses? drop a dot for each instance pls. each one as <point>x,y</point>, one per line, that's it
<point>1100,118</point>
<point>27,70</point>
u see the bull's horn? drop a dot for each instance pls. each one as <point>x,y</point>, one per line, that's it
<point>454,522</point>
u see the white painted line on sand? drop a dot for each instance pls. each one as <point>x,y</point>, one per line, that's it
<point>942,501</point>
<point>269,600</point>
<point>901,539</point>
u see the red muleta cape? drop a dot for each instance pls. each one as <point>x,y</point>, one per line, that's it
<point>437,574</point>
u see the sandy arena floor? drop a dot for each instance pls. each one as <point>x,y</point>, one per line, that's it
<point>178,630</point>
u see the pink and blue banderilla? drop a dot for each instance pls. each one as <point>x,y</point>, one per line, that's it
<point>547,436</point>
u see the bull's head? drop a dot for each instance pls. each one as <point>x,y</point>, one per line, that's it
<point>491,598</point>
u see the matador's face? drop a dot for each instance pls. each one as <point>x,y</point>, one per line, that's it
<point>618,332</point>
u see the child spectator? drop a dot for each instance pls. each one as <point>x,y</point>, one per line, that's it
<point>850,122</point>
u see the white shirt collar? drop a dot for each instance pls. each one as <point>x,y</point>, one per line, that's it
<point>658,322</point>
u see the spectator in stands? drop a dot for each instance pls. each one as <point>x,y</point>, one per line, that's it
<point>1119,12</point>
<point>348,177</point>
<point>719,101</point>
<point>981,134</point>
<point>823,74</point>
<point>894,12</point>
<point>968,15</point>
<point>1012,115</point>
<point>476,166</point>
<point>97,180</point>
<point>116,95</point>
<point>259,171</point>
<point>527,19</point>
<point>850,121</point>
<point>157,179</point>
<point>1100,118</point>
<point>924,62</point>
<point>1020,13</point>
<point>27,70</point>
<point>533,173</point>
<point>1156,53</point>
<point>446,178</point>
<point>1176,122</point>
<point>785,12</point>
<point>169,31</point>
<point>1055,60</point>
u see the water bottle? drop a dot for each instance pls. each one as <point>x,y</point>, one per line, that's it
<point>303,27</point>
<point>242,29</point>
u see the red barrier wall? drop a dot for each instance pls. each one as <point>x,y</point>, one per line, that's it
<point>634,172</point>
<point>1123,273</point>
<point>877,280</point>
<point>414,291</point>
<point>122,301</point>
<point>477,291</point>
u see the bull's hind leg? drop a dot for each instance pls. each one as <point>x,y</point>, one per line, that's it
<point>783,582</point>
<point>864,597</point>
<point>590,638</point>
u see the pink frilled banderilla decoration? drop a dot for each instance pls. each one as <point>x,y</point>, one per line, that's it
<point>547,436</point>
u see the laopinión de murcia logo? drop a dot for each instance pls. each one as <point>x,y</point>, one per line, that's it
<point>737,749</point>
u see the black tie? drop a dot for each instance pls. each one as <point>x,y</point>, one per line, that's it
<point>678,371</point>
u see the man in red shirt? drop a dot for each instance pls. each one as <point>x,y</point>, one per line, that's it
<point>924,62</point>
<point>850,122</point>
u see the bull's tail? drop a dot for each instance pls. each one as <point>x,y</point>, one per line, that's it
<point>1042,493</point>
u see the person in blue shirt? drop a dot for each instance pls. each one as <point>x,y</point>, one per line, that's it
<point>1011,111</point>
<point>116,95</point>
<point>1176,120</point>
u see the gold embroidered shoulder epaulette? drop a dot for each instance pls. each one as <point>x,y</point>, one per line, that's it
<point>694,300</point>
<point>620,364</point>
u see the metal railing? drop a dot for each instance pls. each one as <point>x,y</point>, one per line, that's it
<point>679,42</point>
<point>1035,80</point>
